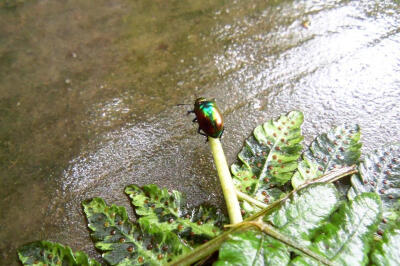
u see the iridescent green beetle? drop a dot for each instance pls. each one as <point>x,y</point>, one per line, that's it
<point>209,118</point>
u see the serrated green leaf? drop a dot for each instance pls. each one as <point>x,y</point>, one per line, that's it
<point>50,253</point>
<point>162,212</point>
<point>123,242</point>
<point>305,211</point>
<point>339,147</point>
<point>386,251</point>
<point>295,219</point>
<point>346,238</point>
<point>380,173</point>
<point>269,158</point>
<point>252,248</point>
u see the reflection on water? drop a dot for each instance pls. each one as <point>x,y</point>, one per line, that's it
<point>88,94</point>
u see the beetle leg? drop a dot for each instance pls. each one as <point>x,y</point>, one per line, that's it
<point>201,133</point>
<point>190,112</point>
<point>220,137</point>
<point>194,120</point>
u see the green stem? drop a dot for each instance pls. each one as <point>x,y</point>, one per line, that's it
<point>271,231</point>
<point>225,179</point>
<point>214,244</point>
<point>244,196</point>
<point>208,248</point>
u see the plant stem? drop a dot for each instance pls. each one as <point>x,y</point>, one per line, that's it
<point>208,248</point>
<point>214,244</point>
<point>225,179</point>
<point>244,196</point>
<point>273,232</point>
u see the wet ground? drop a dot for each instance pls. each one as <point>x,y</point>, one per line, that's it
<point>88,94</point>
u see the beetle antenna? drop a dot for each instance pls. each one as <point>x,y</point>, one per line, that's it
<point>179,104</point>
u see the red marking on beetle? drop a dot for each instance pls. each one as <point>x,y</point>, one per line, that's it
<point>270,167</point>
<point>121,240</point>
<point>199,222</point>
<point>384,220</point>
<point>274,157</point>
<point>140,260</point>
<point>266,200</point>
<point>130,249</point>
<point>277,148</point>
<point>264,193</point>
<point>259,165</point>
<point>266,180</point>
<point>320,168</point>
<point>385,181</point>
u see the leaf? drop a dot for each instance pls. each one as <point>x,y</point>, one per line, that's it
<point>387,251</point>
<point>164,212</point>
<point>295,219</point>
<point>49,253</point>
<point>305,211</point>
<point>380,173</point>
<point>346,238</point>
<point>252,248</point>
<point>123,242</point>
<point>269,157</point>
<point>339,147</point>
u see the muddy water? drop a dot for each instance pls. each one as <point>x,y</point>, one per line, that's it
<point>88,94</point>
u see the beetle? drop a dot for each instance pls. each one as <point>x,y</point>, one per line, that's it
<point>209,118</point>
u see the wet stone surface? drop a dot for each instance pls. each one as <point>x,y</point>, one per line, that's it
<point>88,95</point>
